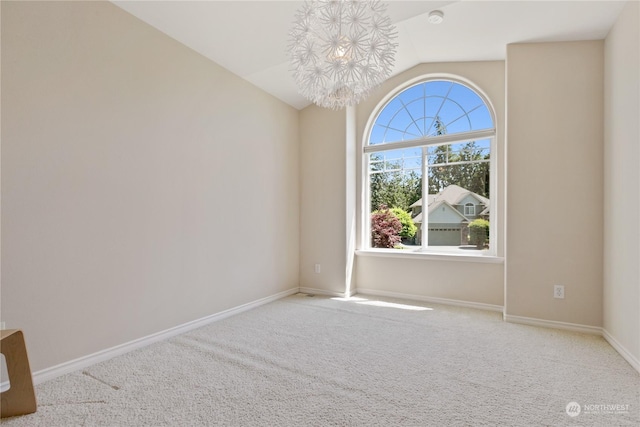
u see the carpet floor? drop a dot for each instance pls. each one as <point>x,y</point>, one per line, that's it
<point>318,361</point>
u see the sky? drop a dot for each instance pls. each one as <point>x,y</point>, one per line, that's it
<point>412,113</point>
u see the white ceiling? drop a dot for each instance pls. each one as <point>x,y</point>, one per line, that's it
<point>249,38</point>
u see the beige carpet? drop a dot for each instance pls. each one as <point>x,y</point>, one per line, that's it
<point>317,361</point>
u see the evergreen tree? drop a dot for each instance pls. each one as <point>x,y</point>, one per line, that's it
<point>472,176</point>
<point>400,189</point>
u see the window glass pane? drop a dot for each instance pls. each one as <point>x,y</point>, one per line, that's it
<point>395,184</point>
<point>459,195</point>
<point>377,134</point>
<point>438,87</point>
<point>430,109</point>
<point>412,93</point>
<point>388,111</point>
<point>465,165</point>
<point>467,98</point>
<point>451,113</point>
<point>416,109</point>
<point>392,135</point>
<point>460,124</point>
<point>481,118</point>
<point>432,105</point>
<point>455,216</point>
<point>403,123</point>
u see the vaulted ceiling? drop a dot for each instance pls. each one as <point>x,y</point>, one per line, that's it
<point>250,38</point>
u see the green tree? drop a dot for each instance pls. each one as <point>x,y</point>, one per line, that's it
<point>472,176</point>
<point>398,189</point>
<point>479,232</point>
<point>440,177</point>
<point>408,227</point>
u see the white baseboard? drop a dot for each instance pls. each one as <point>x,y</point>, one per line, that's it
<point>85,361</point>
<point>626,354</point>
<point>314,291</point>
<point>595,330</point>
<point>446,301</point>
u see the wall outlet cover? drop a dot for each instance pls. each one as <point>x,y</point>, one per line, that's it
<point>558,291</point>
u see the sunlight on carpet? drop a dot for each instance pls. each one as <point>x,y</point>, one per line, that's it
<point>387,304</point>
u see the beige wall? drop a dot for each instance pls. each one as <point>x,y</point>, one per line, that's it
<point>555,181</point>
<point>130,166</point>
<point>475,282</point>
<point>323,199</point>
<point>622,182</point>
<point>459,280</point>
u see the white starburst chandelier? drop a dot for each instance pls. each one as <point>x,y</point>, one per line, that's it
<point>340,50</point>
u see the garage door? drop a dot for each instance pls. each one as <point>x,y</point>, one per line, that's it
<point>444,237</point>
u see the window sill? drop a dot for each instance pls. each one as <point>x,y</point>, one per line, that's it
<point>435,256</point>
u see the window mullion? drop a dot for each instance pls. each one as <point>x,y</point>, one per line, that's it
<point>424,230</point>
<point>432,140</point>
<point>464,162</point>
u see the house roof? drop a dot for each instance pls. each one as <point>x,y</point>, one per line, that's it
<point>452,194</point>
<point>434,206</point>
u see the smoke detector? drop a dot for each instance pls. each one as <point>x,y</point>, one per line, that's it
<point>436,16</point>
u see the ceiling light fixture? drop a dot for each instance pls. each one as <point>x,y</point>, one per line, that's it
<point>436,16</point>
<point>340,50</point>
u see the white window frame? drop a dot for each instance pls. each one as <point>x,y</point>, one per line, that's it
<point>460,137</point>
<point>470,208</point>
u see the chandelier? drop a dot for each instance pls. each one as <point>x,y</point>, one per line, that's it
<point>340,50</point>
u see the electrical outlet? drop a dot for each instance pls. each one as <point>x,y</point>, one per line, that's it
<point>558,291</point>
<point>316,268</point>
<point>3,325</point>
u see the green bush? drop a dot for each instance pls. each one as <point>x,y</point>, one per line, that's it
<point>479,232</point>
<point>408,227</point>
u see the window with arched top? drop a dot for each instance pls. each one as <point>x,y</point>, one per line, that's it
<point>428,156</point>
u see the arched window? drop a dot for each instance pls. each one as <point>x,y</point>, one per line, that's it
<point>428,151</point>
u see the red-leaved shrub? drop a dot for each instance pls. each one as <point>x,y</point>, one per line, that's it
<point>385,228</point>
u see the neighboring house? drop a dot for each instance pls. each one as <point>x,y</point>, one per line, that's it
<point>450,213</point>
